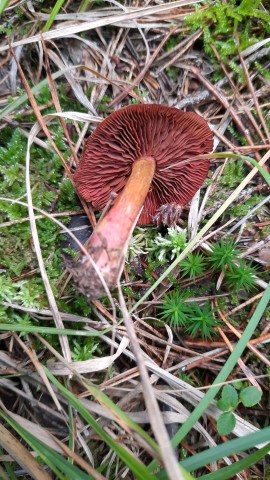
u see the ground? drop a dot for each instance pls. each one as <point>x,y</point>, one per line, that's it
<point>180,352</point>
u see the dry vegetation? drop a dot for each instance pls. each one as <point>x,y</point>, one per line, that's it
<point>104,399</point>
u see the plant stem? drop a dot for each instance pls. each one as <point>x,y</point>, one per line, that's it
<point>109,241</point>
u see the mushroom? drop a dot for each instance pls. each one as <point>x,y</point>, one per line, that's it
<point>141,153</point>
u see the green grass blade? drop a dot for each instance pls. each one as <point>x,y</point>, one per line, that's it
<point>139,470</point>
<point>84,5</point>
<point>57,7</point>
<point>7,469</point>
<point>71,439</point>
<point>263,172</point>
<point>115,410</point>
<point>226,370</point>
<point>15,104</point>
<point>3,5</point>
<point>237,467</point>
<point>224,450</point>
<point>58,464</point>
<point>50,330</point>
<point>236,156</point>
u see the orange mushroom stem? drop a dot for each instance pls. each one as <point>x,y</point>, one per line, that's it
<point>109,241</point>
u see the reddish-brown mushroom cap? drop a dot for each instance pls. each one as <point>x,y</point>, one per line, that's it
<point>166,134</point>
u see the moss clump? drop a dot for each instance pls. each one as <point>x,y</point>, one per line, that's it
<point>222,20</point>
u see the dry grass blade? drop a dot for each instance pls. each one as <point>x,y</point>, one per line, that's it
<point>140,417</point>
<point>76,87</point>
<point>93,365</point>
<point>57,317</point>
<point>160,432</point>
<point>93,25</point>
<point>80,461</point>
<point>57,103</point>
<point>21,455</point>
<point>39,369</point>
<point>142,73</point>
<point>253,93</point>
<point>249,345</point>
<point>248,51</point>
<point>38,114</point>
<point>224,102</point>
<point>36,430</point>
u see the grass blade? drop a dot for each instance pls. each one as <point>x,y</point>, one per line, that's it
<point>224,450</point>
<point>3,5</point>
<point>134,465</point>
<point>59,465</point>
<point>237,467</point>
<point>113,409</point>
<point>51,330</point>
<point>54,12</point>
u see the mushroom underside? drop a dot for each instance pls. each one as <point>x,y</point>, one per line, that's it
<point>143,153</point>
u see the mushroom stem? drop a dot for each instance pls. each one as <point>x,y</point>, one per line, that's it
<point>109,241</point>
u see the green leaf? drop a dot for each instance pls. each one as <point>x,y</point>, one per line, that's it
<point>226,423</point>
<point>249,396</point>
<point>229,398</point>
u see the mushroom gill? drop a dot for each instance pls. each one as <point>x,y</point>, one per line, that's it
<point>166,134</point>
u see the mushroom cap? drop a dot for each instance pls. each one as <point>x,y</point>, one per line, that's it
<point>167,134</point>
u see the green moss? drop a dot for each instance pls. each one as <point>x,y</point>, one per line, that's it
<point>220,21</point>
<point>104,105</point>
<point>262,71</point>
<point>244,208</point>
<point>233,174</point>
<point>173,73</point>
<point>235,134</point>
<point>265,231</point>
<point>127,291</point>
<point>68,199</point>
<point>17,257</point>
<point>172,42</point>
<point>194,320</point>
